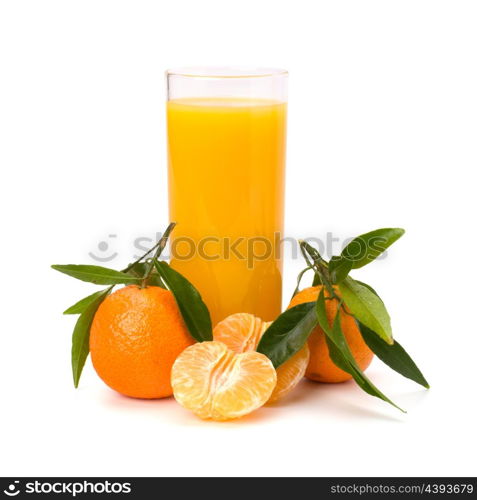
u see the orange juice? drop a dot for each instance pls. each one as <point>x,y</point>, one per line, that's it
<point>226,193</point>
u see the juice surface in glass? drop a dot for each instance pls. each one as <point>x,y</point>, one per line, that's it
<point>226,193</point>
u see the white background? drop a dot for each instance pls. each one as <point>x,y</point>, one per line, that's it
<point>382,132</point>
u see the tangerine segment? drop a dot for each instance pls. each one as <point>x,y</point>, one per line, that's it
<point>242,332</point>
<point>216,383</point>
<point>290,373</point>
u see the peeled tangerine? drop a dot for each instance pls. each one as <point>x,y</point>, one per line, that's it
<point>217,383</point>
<point>242,332</point>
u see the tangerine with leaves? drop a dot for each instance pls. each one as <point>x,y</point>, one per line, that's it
<point>216,383</point>
<point>320,367</point>
<point>242,332</point>
<point>136,335</point>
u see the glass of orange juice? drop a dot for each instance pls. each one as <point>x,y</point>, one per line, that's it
<point>226,157</point>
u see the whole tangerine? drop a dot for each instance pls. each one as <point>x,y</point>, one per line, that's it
<point>320,366</point>
<point>136,335</point>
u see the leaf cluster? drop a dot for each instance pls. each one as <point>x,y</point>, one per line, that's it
<point>289,332</point>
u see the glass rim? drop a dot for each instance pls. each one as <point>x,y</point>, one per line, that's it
<point>225,72</point>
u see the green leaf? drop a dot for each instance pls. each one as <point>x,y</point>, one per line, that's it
<point>367,247</point>
<point>82,304</point>
<point>393,355</point>
<point>339,268</point>
<point>341,354</point>
<point>369,287</point>
<point>155,280</point>
<point>288,333</point>
<point>367,308</point>
<point>139,270</point>
<point>193,309</point>
<point>80,342</point>
<point>316,280</point>
<point>359,377</point>
<point>97,274</point>
<point>321,313</point>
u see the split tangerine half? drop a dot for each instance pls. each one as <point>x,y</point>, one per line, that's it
<point>216,383</point>
<point>242,332</point>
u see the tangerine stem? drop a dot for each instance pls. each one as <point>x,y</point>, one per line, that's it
<point>299,277</point>
<point>160,247</point>
<point>319,265</point>
<point>148,252</point>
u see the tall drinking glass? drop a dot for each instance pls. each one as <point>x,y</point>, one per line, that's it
<point>226,145</point>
